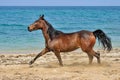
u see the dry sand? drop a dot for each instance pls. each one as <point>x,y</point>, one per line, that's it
<point>15,67</point>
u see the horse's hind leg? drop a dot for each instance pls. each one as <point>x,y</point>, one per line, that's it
<point>92,53</point>
<point>97,55</point>
<point>90,58</point>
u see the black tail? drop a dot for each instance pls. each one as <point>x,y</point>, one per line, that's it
<point>103,38</point>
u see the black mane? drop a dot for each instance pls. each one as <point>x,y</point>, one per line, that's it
<point>51,31</point>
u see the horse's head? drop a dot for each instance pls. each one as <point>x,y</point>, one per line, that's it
<point>38,24</point>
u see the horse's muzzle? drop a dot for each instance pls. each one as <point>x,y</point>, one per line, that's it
<point>29,29</point>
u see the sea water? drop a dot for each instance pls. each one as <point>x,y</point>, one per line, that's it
<point>15,38</point>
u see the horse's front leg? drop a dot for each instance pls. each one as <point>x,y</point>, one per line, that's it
<point>59,58</point>
<point>44,51</point>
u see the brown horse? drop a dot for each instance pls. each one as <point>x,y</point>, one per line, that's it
<point>57,41</point>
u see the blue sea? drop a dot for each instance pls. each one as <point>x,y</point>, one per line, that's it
<point>15,38</point>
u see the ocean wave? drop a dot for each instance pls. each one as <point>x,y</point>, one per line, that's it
<point>12,25</point>
<point>2,33</point>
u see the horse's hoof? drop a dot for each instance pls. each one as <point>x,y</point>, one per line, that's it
<point>61,65</point>
<point>31,62</point>
<point>99,63</point>
<point>90,64</point>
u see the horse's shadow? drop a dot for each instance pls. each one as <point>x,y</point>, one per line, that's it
<point>74,64</point>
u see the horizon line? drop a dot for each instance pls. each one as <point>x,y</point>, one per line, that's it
<point>56,6</point>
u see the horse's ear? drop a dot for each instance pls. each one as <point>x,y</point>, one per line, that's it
<point>42,17</point>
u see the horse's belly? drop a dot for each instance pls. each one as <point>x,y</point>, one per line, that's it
<point>68,47</point>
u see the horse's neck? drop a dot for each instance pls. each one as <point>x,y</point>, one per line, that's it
<point>46,36</point>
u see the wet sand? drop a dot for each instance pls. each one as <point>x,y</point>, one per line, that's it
<point>76,67</point>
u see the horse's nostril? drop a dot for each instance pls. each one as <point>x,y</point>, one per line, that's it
<point>29,29</point>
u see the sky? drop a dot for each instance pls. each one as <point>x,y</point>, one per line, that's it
<point>59,2</point>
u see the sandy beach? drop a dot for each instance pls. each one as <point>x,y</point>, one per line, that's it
<point>76,67</point>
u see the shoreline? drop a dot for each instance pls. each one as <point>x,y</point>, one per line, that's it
<point>39,50</point>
